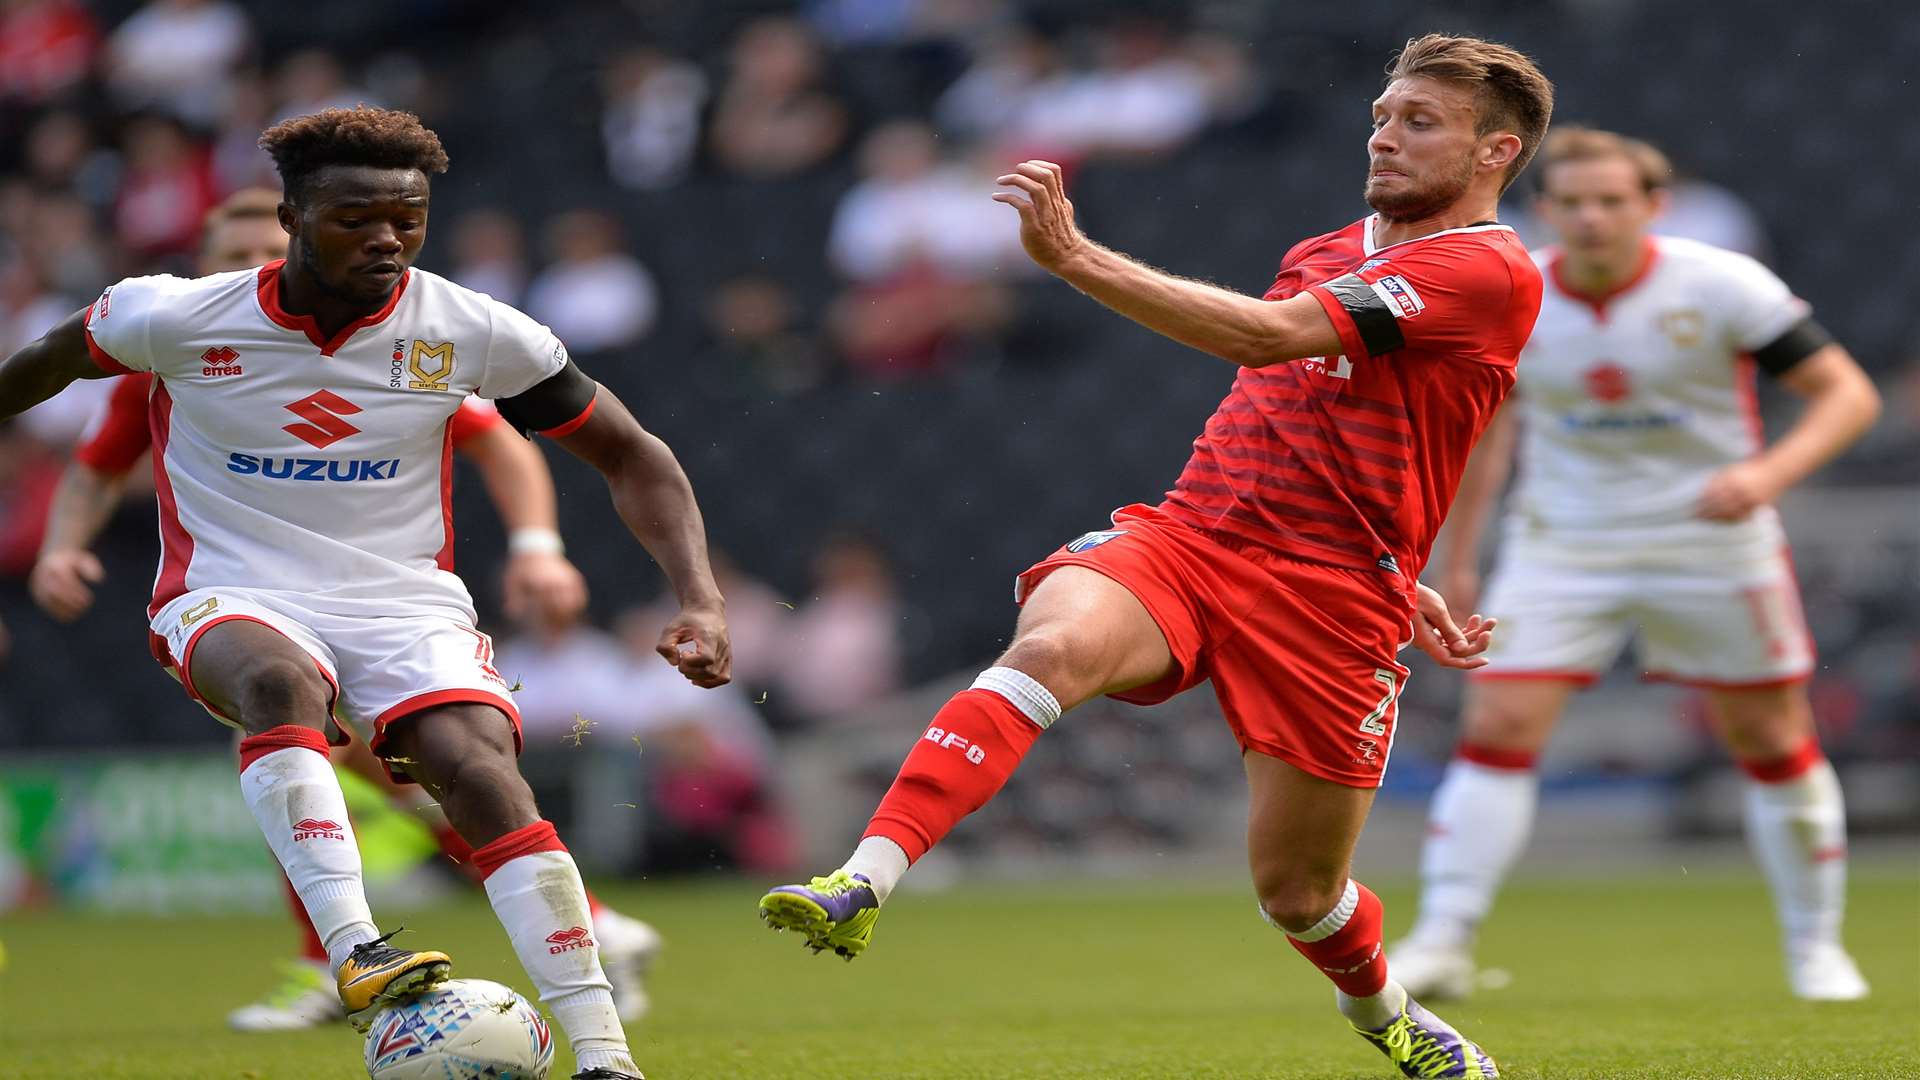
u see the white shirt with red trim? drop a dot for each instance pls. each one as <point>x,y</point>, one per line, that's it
<point>1630,402</point>
<point>286,461</point>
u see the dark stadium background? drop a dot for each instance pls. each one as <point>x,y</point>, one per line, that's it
<point>1029,436</point>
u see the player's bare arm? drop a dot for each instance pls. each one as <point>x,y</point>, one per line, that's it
<point>652,494</point>
<point>538,576</point>
<point>1841,405</point>
<point>65,572</point>
<point>46,365</point>
<point>1480,485</point>
<point>1233,326</point>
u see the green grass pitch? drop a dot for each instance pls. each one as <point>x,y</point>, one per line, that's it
<point>1613,976</point>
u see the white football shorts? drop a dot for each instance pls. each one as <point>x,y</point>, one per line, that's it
<point>381,668</point>
<point>1731,626</point>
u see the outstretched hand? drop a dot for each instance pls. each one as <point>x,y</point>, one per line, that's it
<point>695,641</point>
<point>1449,644</point>
<point>1047,229</point>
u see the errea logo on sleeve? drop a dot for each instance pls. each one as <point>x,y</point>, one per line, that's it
<point>1399,296</point>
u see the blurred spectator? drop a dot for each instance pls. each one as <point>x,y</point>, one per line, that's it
<point>1701,210</point>
<point>842,649</point>
<point>166,191</point>
<point>238,161</point>
<point>773,116</point>
<point>62,155</point>
<point>29,471</point>
<point>754,343</point>
<point>312,80</point>
<point>990,99</point>
<point>489,254</point>
<point>594,294</point>
<point>1144,96</point>
<point>911,207</point>
<point>916,322</point>
<point>176,56</point>
<point>651,122</point>
<point>46,48</point>
<point>66,249</point>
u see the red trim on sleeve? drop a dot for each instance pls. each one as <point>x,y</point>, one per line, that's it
<point>268,292</point>
<point>1350,341</point>
<point>1494,757</point>
<point>1781,769</point>
<point>121,434</point>
<point>102,359</point>
<point>176,543</point>
<point>474,418</point>
<point>574,424</point>
<point>531,840</point>
<point>444,558</point>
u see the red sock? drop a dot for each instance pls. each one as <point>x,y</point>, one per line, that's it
<point>1348,949</point>
<point>311,947</point>
<point>974,743</point>
<point>456,849</point>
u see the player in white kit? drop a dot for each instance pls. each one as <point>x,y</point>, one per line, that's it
<point>300,418</point>
<point>1644,502</point>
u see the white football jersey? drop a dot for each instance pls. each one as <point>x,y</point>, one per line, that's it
<point>286,461</point>
<point>1630,403</point>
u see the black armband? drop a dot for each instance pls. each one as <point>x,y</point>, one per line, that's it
<point>1379,330</point>
<point>554,406</point>
<point>1801,340</point>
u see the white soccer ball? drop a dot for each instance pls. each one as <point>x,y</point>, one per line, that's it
<point>468,1029</point>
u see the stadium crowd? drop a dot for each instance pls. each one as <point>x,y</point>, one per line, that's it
<point>770,232</point>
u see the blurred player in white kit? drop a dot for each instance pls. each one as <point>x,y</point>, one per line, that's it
<point>1645,500</point>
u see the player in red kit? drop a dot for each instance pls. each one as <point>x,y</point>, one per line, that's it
<point>1283,565</point>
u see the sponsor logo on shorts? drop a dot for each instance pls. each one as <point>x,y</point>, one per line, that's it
<point>1388,563</point>
<point>317,829</point>
<point>950,740</point>
<point>200,611</point>
<point>1087,541</point>
<point>1399,296</point>
<point>314,469</point>
<point>573,937</point>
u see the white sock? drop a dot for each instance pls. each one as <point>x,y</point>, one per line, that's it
<point>1478,824</point>
<point>295,797</point>
<point>1375,1012</point>
<point>880,861</point>
<point>540,901</point>
<point>1798,830</point>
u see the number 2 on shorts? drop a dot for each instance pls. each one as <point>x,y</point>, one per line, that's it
<point>1375,721</point>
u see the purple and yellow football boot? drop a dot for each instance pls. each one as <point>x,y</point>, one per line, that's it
<point>1425,1046</point>
<point>836,912</point>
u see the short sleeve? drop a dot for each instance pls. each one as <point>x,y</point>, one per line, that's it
<point>1434,297</point>
<point>1757,306</point>
<point>474,418</point>
<point>119,324</point>
<point>118,434</point>
<point>520,354</point>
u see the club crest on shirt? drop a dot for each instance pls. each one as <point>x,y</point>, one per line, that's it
<point>431,365</point>
<point>1686,327</point>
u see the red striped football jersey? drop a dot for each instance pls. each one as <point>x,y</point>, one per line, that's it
<point>1352,460</point>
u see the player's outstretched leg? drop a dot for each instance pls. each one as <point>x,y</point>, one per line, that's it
<point>1796,823</point>
<point>1300,836</point>
<point>1080,634</point>
<point>464,755</point>
<point>249,672</point>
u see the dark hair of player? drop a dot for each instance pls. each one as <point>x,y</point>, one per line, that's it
<point>1512,93</point>
<point>1570,143</point>
<point>362,135</point>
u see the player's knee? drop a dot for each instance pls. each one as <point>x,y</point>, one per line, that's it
<point>1296,903</point>
<point>1505,725</point>
<point>275,691</point>
<point>1055,658</point>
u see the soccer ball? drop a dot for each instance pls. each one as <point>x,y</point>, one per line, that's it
<point>468,1029</point>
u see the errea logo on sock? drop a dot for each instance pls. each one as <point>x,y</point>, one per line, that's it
<point>317,829</point>
<point>949,740</point>
<point>574,937</point>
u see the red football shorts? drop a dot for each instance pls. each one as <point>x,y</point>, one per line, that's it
<point>1301,654</point>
